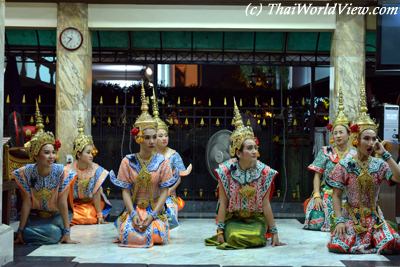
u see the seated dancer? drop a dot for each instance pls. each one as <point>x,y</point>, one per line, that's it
<point>44,188</point>
<point>144,178</point>
<point>89,203</point>
<point>173,203</point>
<point>244,184</point>
<point>359,223</point>
<point>319,208</point>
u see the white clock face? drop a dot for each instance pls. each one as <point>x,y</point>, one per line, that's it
<point>71,38</point>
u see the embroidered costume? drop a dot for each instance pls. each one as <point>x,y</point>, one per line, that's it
<point>44,224</point>
<point>366,229</point>
<point>86,184</point>
<point>245,190</point>
<point>324,162</point>
<point>145,181</point>
<point>173,203</point>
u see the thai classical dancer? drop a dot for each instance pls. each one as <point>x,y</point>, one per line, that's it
<point>244,183</point>
<point>173,202</point>
<point>319,208</point>
<point>44,187</point>
<point>145,178</point>
<point>87,199</point>
<point>359,225</point>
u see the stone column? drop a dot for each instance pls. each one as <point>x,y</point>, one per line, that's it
<point>348,61</point>
<point>73,77</point>
<point>6,232</point>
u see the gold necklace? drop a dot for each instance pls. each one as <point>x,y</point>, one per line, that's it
<point>144,162</point>
<point>363,164</point>
<point>365,187</point>
<point>340,153</point>
<point>143,179</point>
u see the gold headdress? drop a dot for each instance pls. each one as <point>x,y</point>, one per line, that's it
<point>41,137</point>
<point>364,121</point>
<point>145,120</point>
<point>81,140</point>
<point>160,123</point>
<point>241,132</point>
<point>341,118</point>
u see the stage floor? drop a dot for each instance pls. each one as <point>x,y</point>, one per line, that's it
<point>186,247</point>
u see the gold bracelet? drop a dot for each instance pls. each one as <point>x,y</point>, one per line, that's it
<point>316,195</point>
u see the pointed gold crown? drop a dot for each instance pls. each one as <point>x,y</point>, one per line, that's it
<point>341,118</point>
<point>41,137</point>
<point>81,140</point>
<point>241,132</point>
<point>364,121</point>
<point>145,120</point>
<point>160,123</point>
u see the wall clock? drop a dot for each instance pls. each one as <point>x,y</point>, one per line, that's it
<point>71,38</point>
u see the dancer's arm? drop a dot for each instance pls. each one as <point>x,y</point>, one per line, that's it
<point>317,189</point>
<point>63,208</point>
<point>25,210</point>
<point>340,228</point>
<point>223,203</point>
<point>270,221</point>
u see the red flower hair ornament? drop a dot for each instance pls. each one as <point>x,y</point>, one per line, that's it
<point>257,141</point>
<point>57,144</point>
<point>135,131</point>
<point>329,127</point>
<point>354,128</point>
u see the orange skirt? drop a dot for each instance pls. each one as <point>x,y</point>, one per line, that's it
<point>85,213</point>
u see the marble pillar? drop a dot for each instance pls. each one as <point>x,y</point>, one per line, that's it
<point>6,232</point>
<point>348,61</point>
<point>73,78</point>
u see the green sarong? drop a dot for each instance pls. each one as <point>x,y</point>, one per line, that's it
<point>241,233</point>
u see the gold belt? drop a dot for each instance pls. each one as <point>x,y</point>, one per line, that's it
<point>144,203</point>
<point>44,214</point>
<point>359,225</point>
<point>361,211</point>
<point>246,214</point>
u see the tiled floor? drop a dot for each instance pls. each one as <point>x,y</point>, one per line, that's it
<point>304,248</point>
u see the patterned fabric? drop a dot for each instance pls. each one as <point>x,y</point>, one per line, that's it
<point>157,233</point>
<point>130,168</point>
<point>324,163</point>
<point>326,160</point>
<point>373,234</point>
<point>344,176</point>
<point>172,211</point>
<point>161,174</point>
<point>315,219</point>
<point>177,165</point>
<point>44,191</point>
<point>88,182</point>
<point>118,182</point>
<point>245,190</point>
<point>85,185</point>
